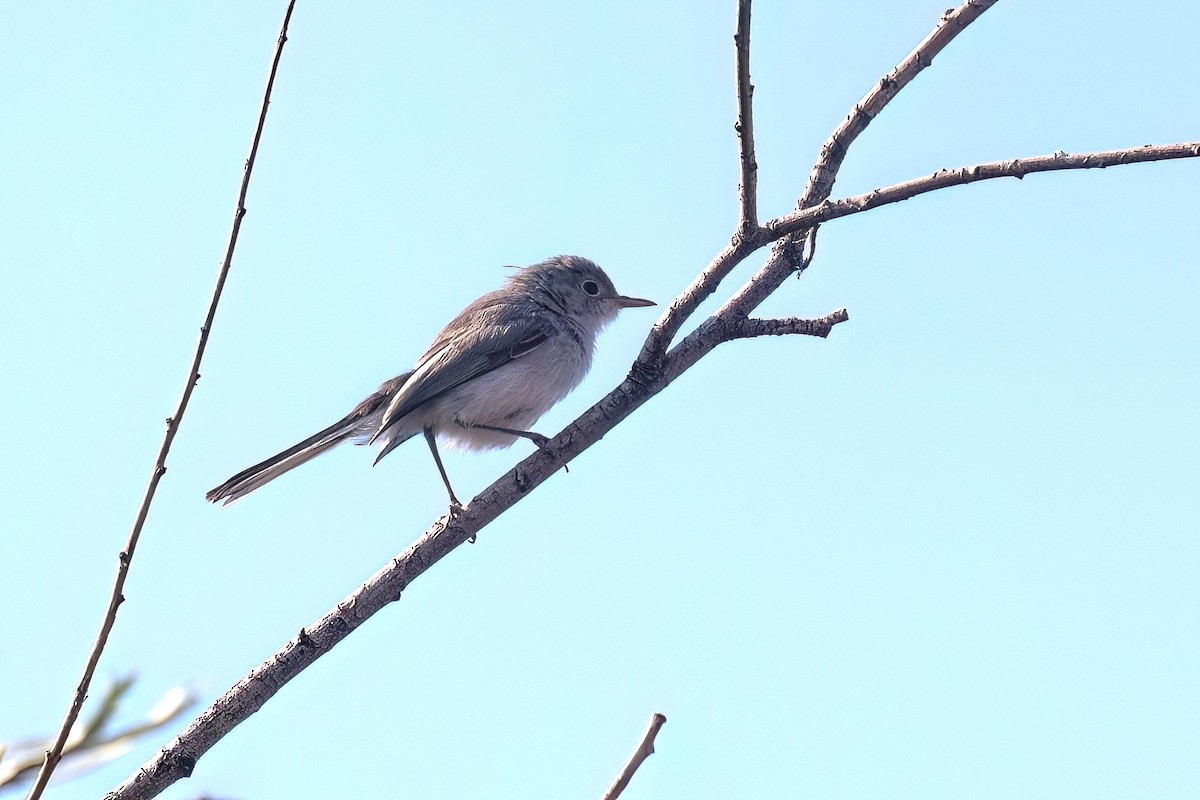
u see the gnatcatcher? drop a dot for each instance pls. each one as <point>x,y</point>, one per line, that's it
<point>489,375</point>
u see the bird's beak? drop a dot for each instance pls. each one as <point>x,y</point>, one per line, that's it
<point>632,302</point>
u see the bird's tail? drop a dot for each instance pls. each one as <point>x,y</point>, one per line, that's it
<point>264,472</point>
<point>358,424</point>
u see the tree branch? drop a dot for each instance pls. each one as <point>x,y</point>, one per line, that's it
<point>1010,168</point>
<point>125,558</point>
<point>833,152</point>
<point>787,256</point>
<point>644,750</point>
<point>179,757</point>
<point>748,189</point>
<point>751,328</point>
<point>704,284</point>
<point>820,183</point>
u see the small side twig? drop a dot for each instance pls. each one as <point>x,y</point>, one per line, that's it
<point>644,750</point>
<point>125,558</point>
<point>752,327</point>
<point>820,182</point>
<point>748,189</point>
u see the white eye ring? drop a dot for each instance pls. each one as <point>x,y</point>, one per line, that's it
<point>590,287</point>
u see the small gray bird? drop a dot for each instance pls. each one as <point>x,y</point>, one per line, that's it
<point>488,376</point>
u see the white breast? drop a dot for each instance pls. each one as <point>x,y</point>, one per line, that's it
<point>513,396</point>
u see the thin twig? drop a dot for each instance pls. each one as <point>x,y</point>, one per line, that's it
<point>750,328</point>
<point>644,750</point>
<point>783,260</point>
<point>701,287</point>
<point>748,189</point>
<point>1009,168</point>
<point>821,179</point>
<point>125,558</point>
<point>787,228</point>
<point>833,152</point>
<point>794,248</point>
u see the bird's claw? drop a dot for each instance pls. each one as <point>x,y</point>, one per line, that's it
<point>542,442</point>
<point>452,514</point>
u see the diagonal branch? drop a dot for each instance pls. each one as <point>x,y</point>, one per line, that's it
<point>125,558</point>
<point>942,179</point>
<point>786,256</point>
<point>644,750</point>
<point>820,182</point>
<point>748,189</point>
<point>833,152</point>
<point>783,260</point>
<point>683,306</point>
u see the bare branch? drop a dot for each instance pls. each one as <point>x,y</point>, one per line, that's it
<point>125,558</point>
<point>178,758</point>
<point>820,182</point>
<point>833,152</point>
<point>644,750</point>
<point>781,263</point>
<point>748,236</point>
<point>697,292</point>
<point>787,255</point>
<point>748,189</point>
<point>750,328</point>
<point>1011,168</point>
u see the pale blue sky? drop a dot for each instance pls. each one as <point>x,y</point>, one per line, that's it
<point>949,552</point>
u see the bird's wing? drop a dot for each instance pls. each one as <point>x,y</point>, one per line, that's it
<point>485,336</point>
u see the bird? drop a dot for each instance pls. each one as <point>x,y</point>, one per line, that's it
<point>489,375</point>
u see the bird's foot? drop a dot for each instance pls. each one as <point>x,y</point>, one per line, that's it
<point>452,514</point>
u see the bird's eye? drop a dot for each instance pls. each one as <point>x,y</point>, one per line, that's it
<point>591,288</point>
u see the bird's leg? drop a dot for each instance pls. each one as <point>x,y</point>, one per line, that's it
<point>455,506</point>
<point>536,438</point>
